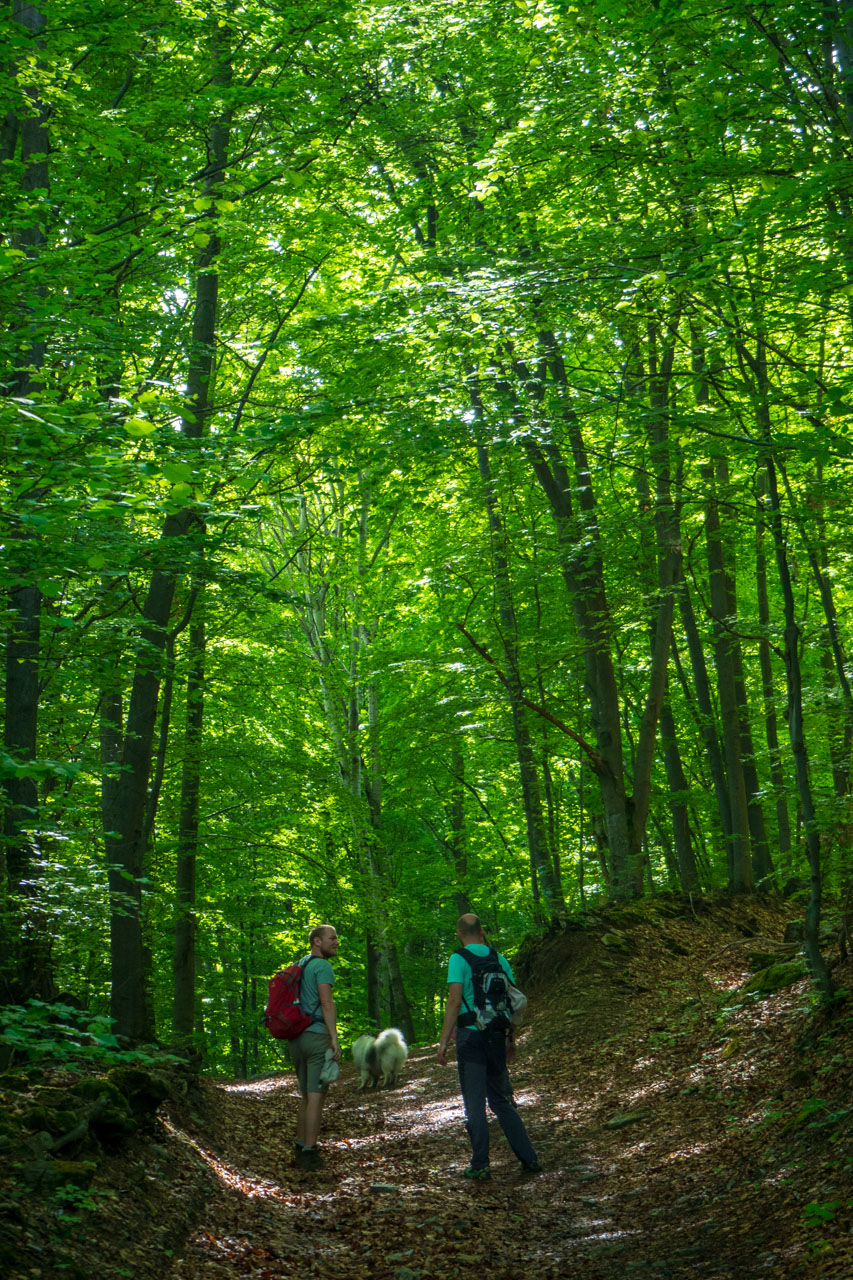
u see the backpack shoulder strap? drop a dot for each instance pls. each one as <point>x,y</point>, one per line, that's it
<point>303,965</point>
<point>466,955</point>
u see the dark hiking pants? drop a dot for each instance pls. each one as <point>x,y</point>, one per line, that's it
<point>483,1077</point>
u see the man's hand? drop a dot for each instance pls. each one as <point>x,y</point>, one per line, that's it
<point>451,1013</point>
<point>336,1049</point>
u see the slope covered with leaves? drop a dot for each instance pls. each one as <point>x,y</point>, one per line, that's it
<point>687,1130</point>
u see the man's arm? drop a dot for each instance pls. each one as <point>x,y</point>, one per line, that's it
<point>451,1013</point>
<point>330,1017</point>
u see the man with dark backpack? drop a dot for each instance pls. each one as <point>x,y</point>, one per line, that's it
<point>479,1008</point>
<point>308,1051</point>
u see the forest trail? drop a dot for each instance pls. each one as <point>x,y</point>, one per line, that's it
<point>661,1126</point>
<point>688,1132</point>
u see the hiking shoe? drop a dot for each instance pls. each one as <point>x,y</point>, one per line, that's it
<point>309,1158</point>
<point>532,1166</point>
<point>478,1175</point>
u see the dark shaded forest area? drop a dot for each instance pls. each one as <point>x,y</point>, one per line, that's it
<point>425,487</point>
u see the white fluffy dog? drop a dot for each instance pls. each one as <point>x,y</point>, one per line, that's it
<point>380,1060</point>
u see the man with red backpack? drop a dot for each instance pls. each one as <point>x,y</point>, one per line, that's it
<point>308,1051</point>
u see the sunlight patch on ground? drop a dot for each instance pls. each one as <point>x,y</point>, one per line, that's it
<point>249,1185</point>
<point>657,1086</point>
<point>355,1144</point>
<point>572,1109</point>
<point>686,1153</point>
<point>731,981</point>
<point>734,1069</point>
<point>637,1149</point>
<point>402,1126</point>
<point>443,1111</point>
<point>270,1084</point>
<point>780,1177</point>
<point>597,1236</point>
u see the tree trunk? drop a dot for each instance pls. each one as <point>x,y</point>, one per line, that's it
<point>579,540</point>
<point>374,1002</point>
<point>583,574</point>
<point>25,970</point>
<point>184,968</point>
<point>124,806</point>
<point>455,812</point>
<point>400,1010</point>
<point>537,833</point>
<point>679,791</point>
<point>793,673</point>
<point>668,561</point>
<point>342,702</point>
<point>768,690</point>
<point>841,739</point>
<point>740,868</point>
<point>706,717</point>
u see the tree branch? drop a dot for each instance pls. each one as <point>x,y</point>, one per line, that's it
<point>594,758</point>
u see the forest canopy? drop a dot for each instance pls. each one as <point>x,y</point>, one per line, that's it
<point>426,484</point>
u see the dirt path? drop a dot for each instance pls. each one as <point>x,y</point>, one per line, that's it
<point>661,1122</point>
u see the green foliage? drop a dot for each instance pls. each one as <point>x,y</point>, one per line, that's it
<point>61,1034</point>
<point>408,207</point>
<point>816,1215</point>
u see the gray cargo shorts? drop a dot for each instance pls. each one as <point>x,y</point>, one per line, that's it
<point>308,1055</point>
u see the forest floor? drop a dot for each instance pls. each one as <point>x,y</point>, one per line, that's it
<point>686,1131</point>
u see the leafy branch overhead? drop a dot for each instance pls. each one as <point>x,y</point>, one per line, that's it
<point>316,313</point>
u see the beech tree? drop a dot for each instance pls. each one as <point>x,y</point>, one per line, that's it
<point>426,483</point>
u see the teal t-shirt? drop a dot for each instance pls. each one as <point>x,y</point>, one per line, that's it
<point>319,970</point>
<point>459,970</point>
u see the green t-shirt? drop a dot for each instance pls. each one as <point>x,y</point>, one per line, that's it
<point>459,970</point>
<point>319,970</point>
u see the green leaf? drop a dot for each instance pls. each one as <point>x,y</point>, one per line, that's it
<point>138,428</point>
<point>177,472</point>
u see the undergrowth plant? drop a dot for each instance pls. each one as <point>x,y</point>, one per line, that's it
<point>67,1037</point>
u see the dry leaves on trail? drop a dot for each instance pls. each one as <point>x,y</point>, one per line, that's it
<point>687,1132</point>
<point>658,1101</point>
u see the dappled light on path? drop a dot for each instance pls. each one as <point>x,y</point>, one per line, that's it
<point>237,1180</point>
<point>651,1118</point>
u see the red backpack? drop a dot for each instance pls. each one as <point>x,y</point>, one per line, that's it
<point>283,1016</point>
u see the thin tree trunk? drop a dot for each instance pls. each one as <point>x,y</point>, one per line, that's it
<point>817,964</point>
<point>740,869</point>
<point>455,811</point>
<point>537,836</point>
<point>794,682</point>
<point>678,792</point>
<point>399,1005</point>
<point>184,966</point>
<point>25,970</point>
<point>705,715</point>
<point>768,690</point>
<point>374,1003</point>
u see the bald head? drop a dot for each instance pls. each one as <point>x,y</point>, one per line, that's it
<point>469,928</point>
